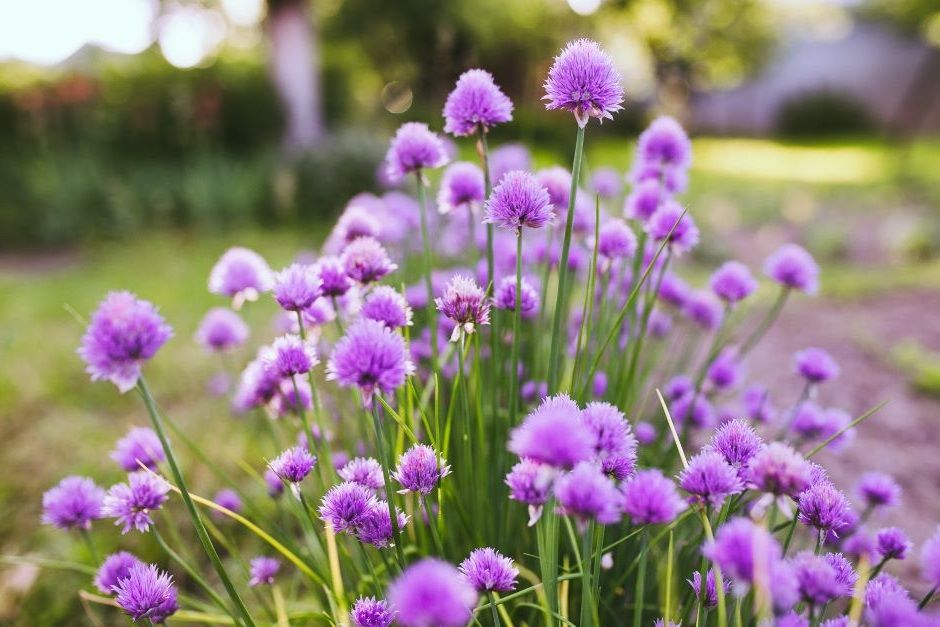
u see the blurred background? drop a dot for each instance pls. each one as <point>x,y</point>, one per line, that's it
<point>141,138</point>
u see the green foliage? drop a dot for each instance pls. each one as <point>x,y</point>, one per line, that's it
<point>921,366</point>
<point>823,114</point>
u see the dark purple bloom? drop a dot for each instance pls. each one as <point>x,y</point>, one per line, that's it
<point>793,267</point>
<point>131,503</point>
<point>222,329</point>
<point>711,593</point>
<point>505,297</point>
<point>606,182</point>
<point>124,332</point>
<point>264,570</point>
<point>780,470</point>
<point>387,306</point>
<point>366,261</point>
<point>816,365</point>
<point>364,471</point>
<point>741,548</point>
<point>553,433</point>
<point>845,573</point>
<point>291,356</point>
<point>613,442</point>
<point>489,570</point>
<point>140,446</point>
<point>710,479</point>
<point>293,465</point>
<point>146,592</point>
<point>420,469</point>
<point>644,200</point>
<point>241,274</point>
<point>414,148</point>
<point>375,525</point>
<point>465,303</point>
<point>368,612</point>
<point>587,493</point>
<point>530,482</point>
<point>878,489</point>
<point>461,186</point>
<point>816,578</point>
<point>296,287</point>
<point>370,356</point>
<point>432,592</point>
<point>669,218</point>
<point>583,80</point>
<point>737,442</point>
<point>824,508</point>
<point>725,371</point>
<point>113,569</point>
<point>332,274</point>
<point>345,505</point>
<point>677,387</point>
<point>507,158</point>
<point>228,499</point>
<point>616,240</point>
<point>733,282</point>
<point>704,309</point>
<point>649,498</point>
<point>519,200</point>
<point>892,543</point>
<point>930,559</point>
<point>476,103</point>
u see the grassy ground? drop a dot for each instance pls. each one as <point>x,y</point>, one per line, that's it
<point>749,193</point>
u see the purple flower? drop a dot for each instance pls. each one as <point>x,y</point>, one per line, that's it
<point>274,483</point>
<point>146,592</point>
<point>845,574</point>
<point>291,356</point>
<point>296,287</point>
<point>432,592</point>
<point>732,282</point>
<point>465,303</point>
<point>816,578</point>
<point>557,182</point>
<point>741,549</point>
<point>368,612</point>
<point>930,559</point>
<point>331,271</point>
<point>375,525</point>
<point>258,383</point>
<point>816,365</point>
<point>780,470</point>
<point>710,479</point>
<point>370,356</point>
<point>241,274</point>
<point>113,569</point>
<point>583,80</point>
<point>674,291</point>
<point>475,104</point>
<point>488,570</point>
<point>737,442</point>
<point>414,148</point>
<point>519,200</point>
<point>345,505</point>
<point>507,158</point>
<point>131,503</point>
<point>664,145</point>
<point>264,570</point>
<point>420,469</point>
<point>587,493</point>
<point>878,489</point>
<point>228,499</point>
<point>140,446</point>
<point>839,621</point>
<point>530,482</point>
<point>703,309</point>
<point>756,402</point>
<point>605,182</point>
<point>711,592</point>
<point>726,370</point>
<point>505,297</point>
<point>649,498</point>
<point>289,400</point>
<point>613,443</point>
<point>824,508</point>
<point>293,465</point>
<point>553,434</point>
<point>677,387</point>
<point>695,408</point>
<point>892,543</point>
<point>668,219</point>
<point>645,432</point>
<point>387,306</point>
<point>793,267</point>
<point>461,186</point>
<point>888,604</point>
<point>364,471</point>
<point>366,261</point>
<point>124,332</point>
<point>644,200</point>
<point>221,330</point>
<point>616,240</point>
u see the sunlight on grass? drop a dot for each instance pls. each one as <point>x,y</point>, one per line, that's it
<point>768,160</point>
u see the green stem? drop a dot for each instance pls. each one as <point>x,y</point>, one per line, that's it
<point>791,528</point>
<point>923,602</point>
<point>432,525</point>
<point>640,581</point>
<point>428,265</point>
<point>516,318</point>
<point>587,570</point>
<point>554,362</point>
<point>191,570</point>
<point>200,528</point>
<point>383,458</point>
<point>493,611</point>
<point>92,550</point>
<point>766,323</point>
